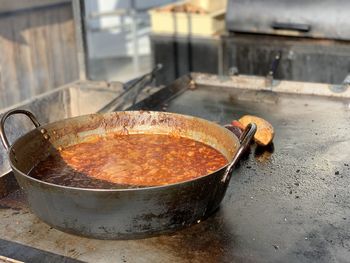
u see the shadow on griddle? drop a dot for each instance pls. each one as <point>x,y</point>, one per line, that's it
<point>263,153</point>
<point>209,239</point>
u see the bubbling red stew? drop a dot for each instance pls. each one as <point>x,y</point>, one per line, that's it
<point>134,160</point>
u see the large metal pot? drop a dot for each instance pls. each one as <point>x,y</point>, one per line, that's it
<point>122,213</point>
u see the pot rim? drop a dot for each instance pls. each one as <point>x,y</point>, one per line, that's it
<point>157,187</point>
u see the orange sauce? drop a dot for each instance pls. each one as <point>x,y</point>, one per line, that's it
<point>134,160</point>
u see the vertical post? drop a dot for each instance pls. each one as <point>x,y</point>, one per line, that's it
<point>79,21</point>
<point>220,56</point>
<point>134,38</point>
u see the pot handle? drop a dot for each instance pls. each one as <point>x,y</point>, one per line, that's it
<point>3,136</point>
<point>244,140</point>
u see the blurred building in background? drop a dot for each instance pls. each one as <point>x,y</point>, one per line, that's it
<point>117,38</point>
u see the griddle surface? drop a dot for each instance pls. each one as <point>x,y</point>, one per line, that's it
<point>288,203</point>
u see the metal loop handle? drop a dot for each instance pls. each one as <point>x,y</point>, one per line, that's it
<point>3,136</point>
<point>244,140</point>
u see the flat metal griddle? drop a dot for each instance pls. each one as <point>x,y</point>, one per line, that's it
<point>287,203</point>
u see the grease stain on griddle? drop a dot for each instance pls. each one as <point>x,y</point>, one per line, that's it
<point>212,240</point>
<point>15,201</point>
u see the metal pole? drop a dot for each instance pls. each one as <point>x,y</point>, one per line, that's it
<point>134,38</point>
<point>79,20</point>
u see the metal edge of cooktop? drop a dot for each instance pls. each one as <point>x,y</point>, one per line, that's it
<point>159,99</point>
<point>252,82</point>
